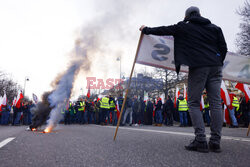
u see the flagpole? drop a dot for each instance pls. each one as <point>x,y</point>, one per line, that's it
<point>125,98</point>
<point>248,130</point>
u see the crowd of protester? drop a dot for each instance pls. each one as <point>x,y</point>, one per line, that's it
<point>106,111</point>
<point>16,116</point>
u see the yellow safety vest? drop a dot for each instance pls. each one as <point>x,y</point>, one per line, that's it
<point>207,105</point>
<point>105,103</point>
<point>183,105</point>
<point>70,106</point>
<point>112,104</point>
<point>236,103</point>
<point>82,106</point>
<point>74,111</point>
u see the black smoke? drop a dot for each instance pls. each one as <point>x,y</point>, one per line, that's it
<point>41,112</point>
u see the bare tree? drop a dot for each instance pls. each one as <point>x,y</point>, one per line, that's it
<point>170,79</point>
<point>243,39</point>
<point>9,86</point>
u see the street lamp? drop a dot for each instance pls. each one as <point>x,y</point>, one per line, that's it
<point>82,91</point>
<point>26,79</point>
<point>120,59</point>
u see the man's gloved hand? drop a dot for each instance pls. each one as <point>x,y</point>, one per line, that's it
<point>141,28</point>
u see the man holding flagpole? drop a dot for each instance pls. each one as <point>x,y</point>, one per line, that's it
<point>200,45</point>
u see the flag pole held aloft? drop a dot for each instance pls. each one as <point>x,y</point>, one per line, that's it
<point>125,98</point>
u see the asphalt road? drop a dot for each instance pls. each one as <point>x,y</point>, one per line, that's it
<point>92,145</point>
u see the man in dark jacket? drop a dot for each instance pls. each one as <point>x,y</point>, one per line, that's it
<point>120,101</point>
<point>158,112</point>
<point>200,45</point>
<point>168,109</point>
<point>149,112</point>
<point>129,111</point>
<point>136,110</point>
<point>141,110</point>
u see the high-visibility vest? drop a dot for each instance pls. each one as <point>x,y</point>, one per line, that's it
<point>183,105</point>
<point>112,104</point>
<point>71,109</point>
<point>70,104</point>
<point>236,103</point>
<point>105,103</point>
<point>82,106</point>
<point>207,105</point>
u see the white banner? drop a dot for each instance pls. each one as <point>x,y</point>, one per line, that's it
<point>35,98</point>
<point>158,51</point>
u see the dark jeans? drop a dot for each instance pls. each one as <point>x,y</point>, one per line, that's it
<point>78,117</point>
<point>67,118</point>
<point>169,118</point>
<point>103,115</point>
<point>17,119</point>
<point>183,118</point>
<point>114,117</point>
<point>198,79</point>
<point>158,114</point>
<point>137,117</point>
<point>27,118</point>
<point>5,118</point>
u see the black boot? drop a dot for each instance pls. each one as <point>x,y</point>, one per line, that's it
<point>214,147</point>
<point>198,146</point>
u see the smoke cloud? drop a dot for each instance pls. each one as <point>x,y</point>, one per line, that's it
<point>95,50</point>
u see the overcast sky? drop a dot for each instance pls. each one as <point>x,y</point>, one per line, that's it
<point>36,37</point>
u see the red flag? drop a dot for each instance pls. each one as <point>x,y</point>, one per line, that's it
<point>18,101</point>
<point>245,89</point>
<point>177,94</point>
<point>202,106</point>
<point>224,94</point>
<point>14,102</point>
<point>1,101</point>
<point>227,117</point>
<point>117,109</point>
<point>88,94</point>
<point>67,105</point>
<point>185,92</point>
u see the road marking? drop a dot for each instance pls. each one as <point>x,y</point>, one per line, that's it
<point>181,133</point>
<point>6,141</point>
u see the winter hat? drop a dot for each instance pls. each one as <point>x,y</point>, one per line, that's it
<point>192,10</point>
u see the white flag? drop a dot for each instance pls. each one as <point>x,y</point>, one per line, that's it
<point>162,97</point>
<point>202,106</point>
<point>224,94</point>
<point>4,100</point>
<point>35,99</point>
<point>158,51</point>
<point>145,96</point>
<point>185,92</point>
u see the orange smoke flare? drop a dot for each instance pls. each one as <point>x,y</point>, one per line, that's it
<point>48,129</point>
